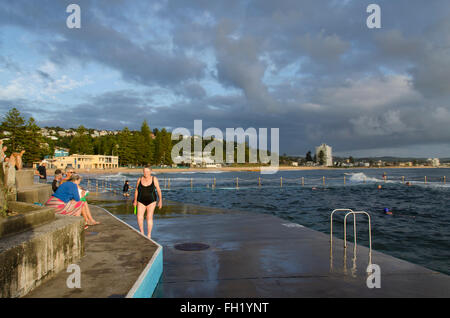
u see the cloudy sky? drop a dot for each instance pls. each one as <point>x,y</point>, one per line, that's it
<point>310,68</point>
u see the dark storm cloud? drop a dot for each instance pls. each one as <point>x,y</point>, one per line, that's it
<point>137,63</point>
<point>192,91</point>
<point>238,66</point>
<point>311,68</point>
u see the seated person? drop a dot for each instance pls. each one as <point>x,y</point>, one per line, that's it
<point>57,180</point>
<point>66,201</point>
<point>69,172</point>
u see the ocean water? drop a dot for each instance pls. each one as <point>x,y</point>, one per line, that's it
<point>418,230</point>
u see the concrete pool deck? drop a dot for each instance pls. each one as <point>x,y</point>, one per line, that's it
<point>116,257</point>
<point>260,255</point>
<point>250,255</point>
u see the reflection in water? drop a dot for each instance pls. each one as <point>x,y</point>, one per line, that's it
<point>345,261</point>
<point>353,270</point>
<point>119,205</point>
<point>331,257</point>
<point>354,262</point>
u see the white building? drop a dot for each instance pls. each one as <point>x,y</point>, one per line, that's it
<point>328,158</point>
<point>434,162</point>
<point>198,161</point>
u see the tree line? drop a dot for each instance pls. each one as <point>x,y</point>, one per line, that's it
<point>20,134</point>
<point>141,147</point>
<point>133,147</point>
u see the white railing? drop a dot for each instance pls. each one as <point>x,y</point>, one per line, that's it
<point>354,213</point>
<point>354,228</point>
<point>331,226</point>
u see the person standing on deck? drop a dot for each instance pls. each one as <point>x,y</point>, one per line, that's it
<point>42,172</point>
<point>145,199</point>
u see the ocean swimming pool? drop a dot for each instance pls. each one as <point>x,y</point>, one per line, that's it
<point>418,231</point>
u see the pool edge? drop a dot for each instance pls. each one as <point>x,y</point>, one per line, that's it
<point>147,281</point>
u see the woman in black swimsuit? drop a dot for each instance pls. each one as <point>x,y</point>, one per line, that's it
<point>145,199</point>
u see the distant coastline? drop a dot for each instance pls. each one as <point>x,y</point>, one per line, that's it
<point>244,168</point>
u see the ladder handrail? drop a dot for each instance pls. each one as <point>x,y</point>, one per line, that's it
<point>370,231</point>
<point>331,226</point>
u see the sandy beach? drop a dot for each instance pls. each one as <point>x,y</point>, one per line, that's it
<point>255,169</point>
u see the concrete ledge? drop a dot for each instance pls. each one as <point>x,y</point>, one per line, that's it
<point>33,257</point>
<point>34,193</point>
<point>115,257</point>
<point>24,178</point>
<point>149,278</point>
<point>31,216</point>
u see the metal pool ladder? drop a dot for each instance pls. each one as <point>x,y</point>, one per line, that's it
<point>354,213</point>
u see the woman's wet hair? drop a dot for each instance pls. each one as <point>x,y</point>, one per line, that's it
<point>148,167</point>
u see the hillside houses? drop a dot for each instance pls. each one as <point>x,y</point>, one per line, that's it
<point>55,133</point>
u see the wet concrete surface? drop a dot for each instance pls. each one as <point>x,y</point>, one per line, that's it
<point>259,255</point>
<point>249,255</point>
<point>115,256</point>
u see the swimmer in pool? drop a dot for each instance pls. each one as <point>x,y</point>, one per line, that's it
<point>126,188</point>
